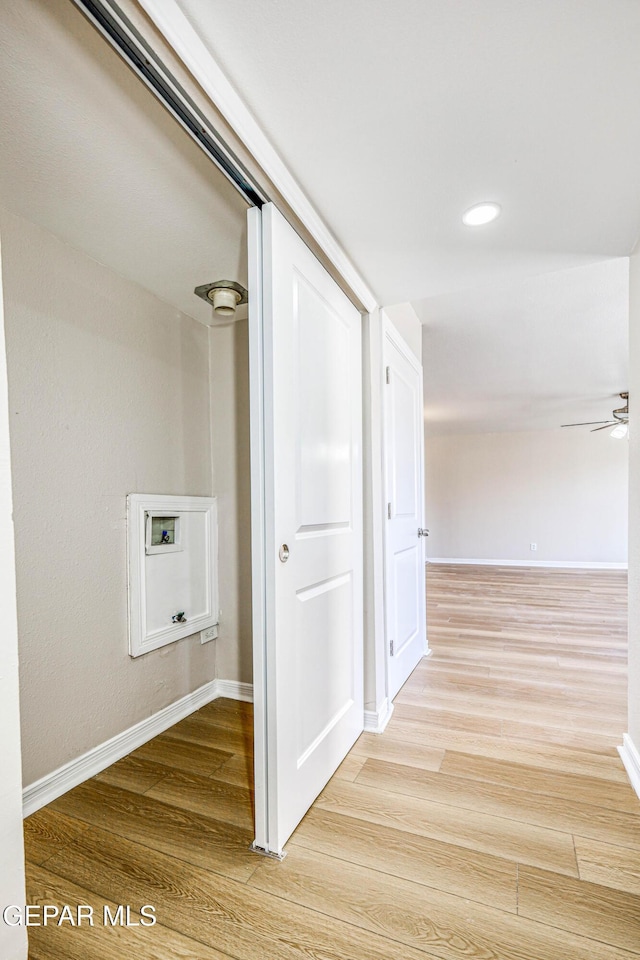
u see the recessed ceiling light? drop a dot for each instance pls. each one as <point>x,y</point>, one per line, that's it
<point>481,213</point>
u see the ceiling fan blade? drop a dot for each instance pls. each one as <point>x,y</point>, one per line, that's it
<point>589,423</point>
<point>611,423</point>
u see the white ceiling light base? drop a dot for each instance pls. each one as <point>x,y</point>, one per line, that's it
<point>225,296</point>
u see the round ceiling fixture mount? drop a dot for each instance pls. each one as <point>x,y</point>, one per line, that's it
<point>224,295</point>
<point>481,213</point>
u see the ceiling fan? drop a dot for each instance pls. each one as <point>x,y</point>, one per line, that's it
<point>620,420</point>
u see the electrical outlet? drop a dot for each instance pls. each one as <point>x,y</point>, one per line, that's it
<point>533,546</point>
<point>209,634</point>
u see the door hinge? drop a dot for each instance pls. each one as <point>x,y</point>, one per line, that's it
<point>389,511</point>
<point>388,374</point>
<point>391,647</point>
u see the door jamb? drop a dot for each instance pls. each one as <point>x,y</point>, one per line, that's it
<point>258,529</point>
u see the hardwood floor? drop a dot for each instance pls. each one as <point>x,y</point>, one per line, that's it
<point>492,820</point>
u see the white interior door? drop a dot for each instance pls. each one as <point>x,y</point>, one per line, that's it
<point>404,544</point>
<point>312,659</point>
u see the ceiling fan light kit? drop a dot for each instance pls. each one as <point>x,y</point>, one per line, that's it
<point>620,431</point>
<point>620,422</point>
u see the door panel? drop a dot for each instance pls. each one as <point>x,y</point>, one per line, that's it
<point>323,433</point>
<point>313,504</point>
<point>404,551</point>
<point>406,602</point>
<point>403,427</point>
<point>324,665</point>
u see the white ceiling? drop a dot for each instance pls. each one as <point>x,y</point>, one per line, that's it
<point>531,354</point>
<point>395,117</point>
<point>87,153</point>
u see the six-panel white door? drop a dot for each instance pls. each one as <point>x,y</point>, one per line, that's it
<point>404,547</point>
<point>313,525</point>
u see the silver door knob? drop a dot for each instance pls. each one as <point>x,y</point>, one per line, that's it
<point>422,532</point>
<point>283,553</point>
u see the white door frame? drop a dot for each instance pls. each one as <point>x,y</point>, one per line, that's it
<point>390,333</point>
<point>261,578</point>
<point>13,940</point>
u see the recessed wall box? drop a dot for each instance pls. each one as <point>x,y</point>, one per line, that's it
<point>173,575</point>
<point>162,533</point>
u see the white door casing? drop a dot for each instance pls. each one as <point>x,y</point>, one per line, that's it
<point>312,658</point>
<point>405,602</point>
<point>13,940</point>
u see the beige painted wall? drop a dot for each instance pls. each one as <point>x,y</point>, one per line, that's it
<point>490,495</point>
<point>634,500</point>
<point>229,359</point>
<point>109,394</point>
<point>13,940</point>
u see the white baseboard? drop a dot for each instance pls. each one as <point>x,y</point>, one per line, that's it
<point>631,759</point>
<point>375,721</point>
<point>234,690</point>
<point>560,564</point>
<point>48,788</point>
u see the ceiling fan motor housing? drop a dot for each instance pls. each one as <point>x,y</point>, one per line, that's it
<point>622,413</point>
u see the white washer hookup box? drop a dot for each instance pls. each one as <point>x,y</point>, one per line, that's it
<point>173,568</point>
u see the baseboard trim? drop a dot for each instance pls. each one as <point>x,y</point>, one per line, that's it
<point>631,759</point>
<point>375,721</point>
<point>234,690</point>
<point>52,786</point>
<point>560,564</point>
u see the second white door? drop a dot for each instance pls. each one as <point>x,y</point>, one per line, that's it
<point>404,545</point>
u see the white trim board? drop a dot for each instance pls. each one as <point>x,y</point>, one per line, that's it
<point>560,564</point>
<point>631,759</point>
<point>259,564</point>
<point>54,784</point>
<point>234,690</point>
<point>375,721</point>
<point>391,333</point>
<point>182,37</point>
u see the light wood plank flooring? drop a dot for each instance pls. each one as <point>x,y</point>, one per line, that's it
<point>492,820</point>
